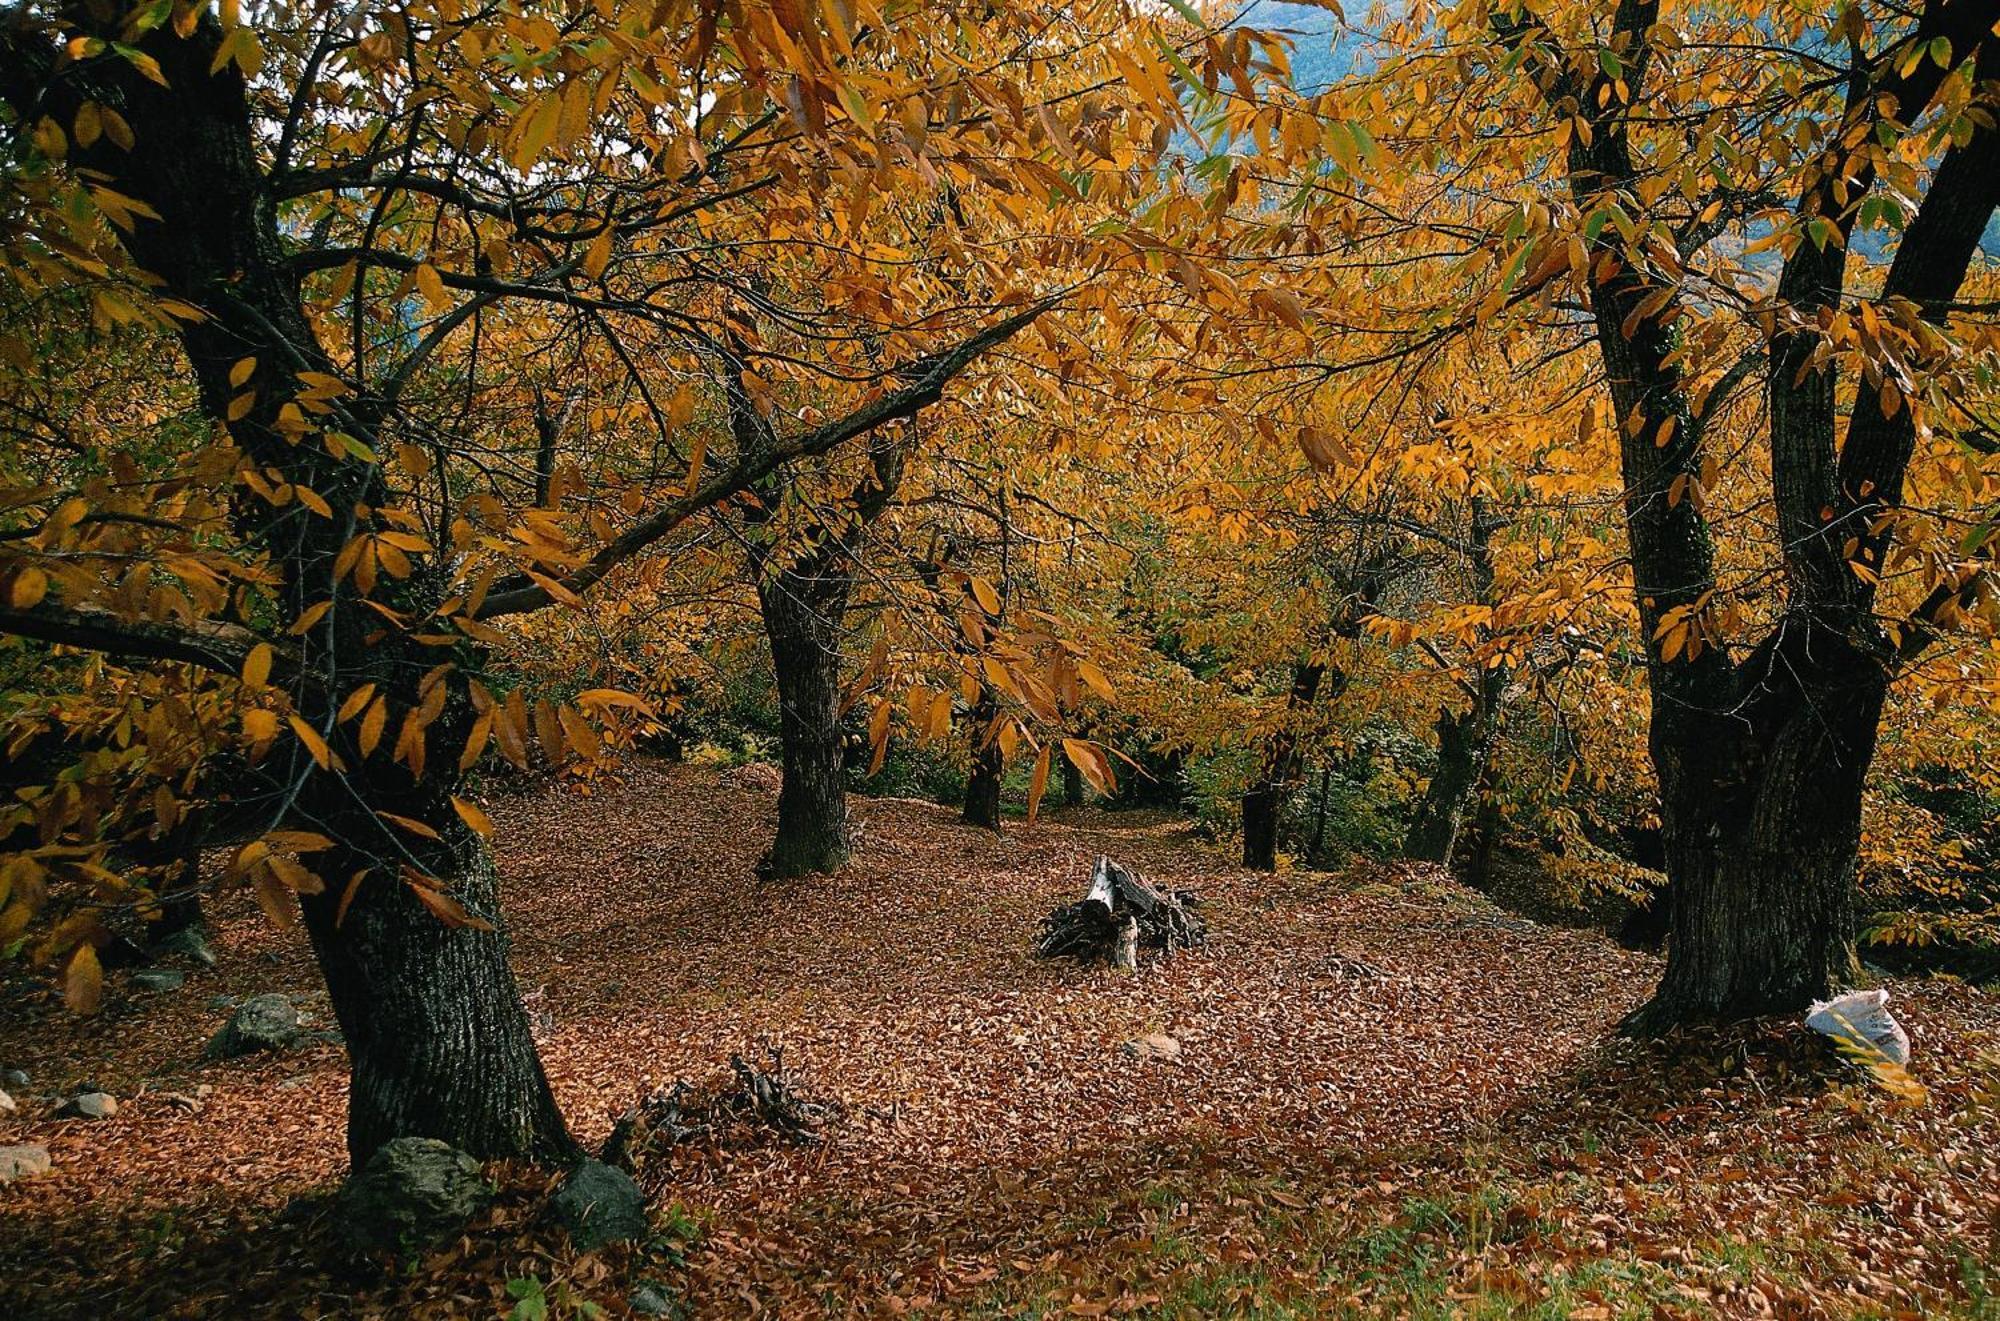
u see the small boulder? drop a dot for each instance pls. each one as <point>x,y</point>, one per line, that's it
<point>412,1193</point>
<point>650,1299</point>
<point>190,943</point>
<point>158,979</point>
<point>88,1105</point>
<point>599,1204</point>
<point>24,1161</point>
<point>263,1022</point>
<point>1153,1046</point>
<point>14,1079</point>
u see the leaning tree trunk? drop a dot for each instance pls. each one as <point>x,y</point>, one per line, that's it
<point>1264,800</point>
<point>438,1040</point>
<point>982,787</point>
<point>803,625</point>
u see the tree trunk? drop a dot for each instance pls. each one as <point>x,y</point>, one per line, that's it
<point>1761,837</point>
<point>1762,763</point>
<point>1072,782</point>
<point>437,1039</point>
<point>1465,739</point>
<point>803,626</point>
<point>435,1030</point>
<point>982,787</point>
<point>1465,745</point>
<point>1264,800</point>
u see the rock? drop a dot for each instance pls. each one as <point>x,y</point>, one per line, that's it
<point>412,1193</point>
<point>599,1204</point>
<point>14,1079</point>
<point>1154,1046</point>
<point>7,1106</point>
<point>190,943</point>
<point>24,1161</point>
<point>650,1299</point>
<point>88,1105</point>
<point>263,1022</point>
<point>158,979</point>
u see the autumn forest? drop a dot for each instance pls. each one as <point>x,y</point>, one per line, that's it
<point>793,658</point>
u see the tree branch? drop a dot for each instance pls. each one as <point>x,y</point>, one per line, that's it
<point>209,643</point>
<point>927,378</point>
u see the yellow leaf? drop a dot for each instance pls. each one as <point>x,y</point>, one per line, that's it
<point>257,666</point>
<point>470,813</point>
<point>447,909</point>
<point>30,585</point>
<point>83,982</point>
<point>314,743</point>
<point>431,285</point>
<point>1038,785</point>
<point>373,724</point>
<point>261,726</point>
<point>1095,678</point>
<point>295,878</point>
<point>598,255</point>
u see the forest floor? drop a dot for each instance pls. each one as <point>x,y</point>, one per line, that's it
<point>1392,1099</point>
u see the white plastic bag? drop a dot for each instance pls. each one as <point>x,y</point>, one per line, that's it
<point>1862,1019</point>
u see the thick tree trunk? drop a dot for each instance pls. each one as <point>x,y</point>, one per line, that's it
<point>1761,835</point>
<point>1264,800</point>
<point>1762,762</point>
<point>982,787</point>
<point>804,631</point>
<point>435,1031</point>
<point>437,1040</point>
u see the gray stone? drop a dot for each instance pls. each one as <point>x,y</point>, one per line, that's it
<point>158,979</point>
<point>412,1193</point>
<point>189,943</point>
<point>263,1022</point>
<point>24,1161</point>
<point>1155,1046</point>
<point>650,1299</point>
<point>14,1079</point>
<point>88,1105</point>
<point>599,1204</point>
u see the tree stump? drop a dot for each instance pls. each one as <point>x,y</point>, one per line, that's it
<point>1122,914</point>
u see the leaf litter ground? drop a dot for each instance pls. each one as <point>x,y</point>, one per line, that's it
<point>1391,1099</point>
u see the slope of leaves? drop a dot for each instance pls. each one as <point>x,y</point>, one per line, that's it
<point>1392,1099</point>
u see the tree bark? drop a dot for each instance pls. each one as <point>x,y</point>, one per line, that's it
<point>982,786</point>
<point>1464,741</point>
<point>804,593</point>
<point>1465,738</point>
<point>437,1038</point>
<point>1264,800</point>
<point>803,625</point>
<point>1762,761</point>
